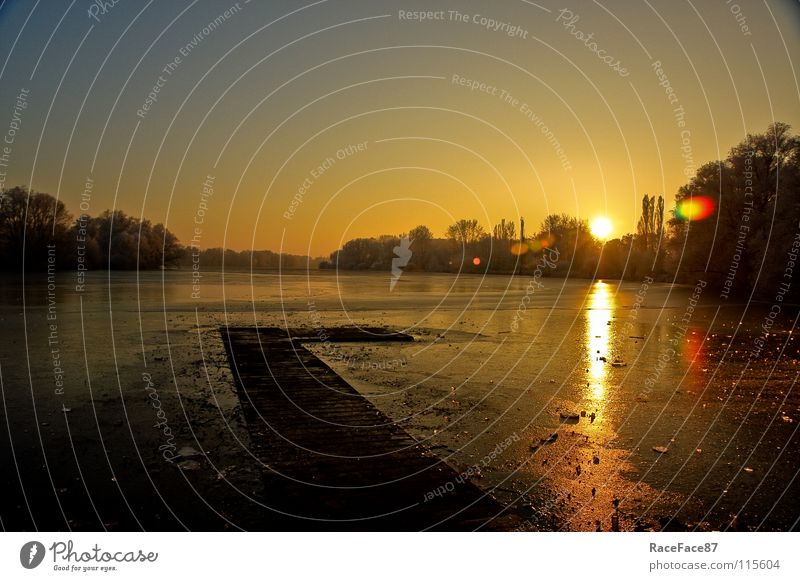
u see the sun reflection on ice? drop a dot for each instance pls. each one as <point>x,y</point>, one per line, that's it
<point>601,304</point>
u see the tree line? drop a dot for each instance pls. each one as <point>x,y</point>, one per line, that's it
<point>747,244</point>
<point>245,259</point>
<point>33,223</point>
<point>744,241</point>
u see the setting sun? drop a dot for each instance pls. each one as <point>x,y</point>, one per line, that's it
<point>601,228</point>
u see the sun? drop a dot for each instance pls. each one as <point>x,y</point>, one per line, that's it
<point>601,227</point>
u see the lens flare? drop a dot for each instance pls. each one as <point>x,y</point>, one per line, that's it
<point>695,208</point>
<point>518,248</point>
<point>537,245</point>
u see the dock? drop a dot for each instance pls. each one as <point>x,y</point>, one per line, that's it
<point>331,460</point>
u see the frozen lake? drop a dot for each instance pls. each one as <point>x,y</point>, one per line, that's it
<point>497,362</point>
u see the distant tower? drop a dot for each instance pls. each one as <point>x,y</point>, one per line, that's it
<point>522,229</point>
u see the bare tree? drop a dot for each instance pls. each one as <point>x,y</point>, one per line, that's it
<point>465,231</point>
<point>645,227</point>
<point>29,221</point>
<point>660,220</point>
<point>420,237</point>
<point>504,230</point>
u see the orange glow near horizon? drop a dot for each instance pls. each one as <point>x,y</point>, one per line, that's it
<point>366,124</point>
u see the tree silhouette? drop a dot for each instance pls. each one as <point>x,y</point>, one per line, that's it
<point>37,230</point>
<point>29,222</point>
<point>755,193</point>
<point>465,231</point>
<point>421,237</point>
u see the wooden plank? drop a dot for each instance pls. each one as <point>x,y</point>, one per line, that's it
<point>332,460</point>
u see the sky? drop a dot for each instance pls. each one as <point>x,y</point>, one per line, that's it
<point>295,126</point>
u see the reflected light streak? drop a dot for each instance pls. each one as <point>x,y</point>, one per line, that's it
<point>599,313</point>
